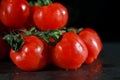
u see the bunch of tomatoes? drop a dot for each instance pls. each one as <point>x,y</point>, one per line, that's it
<point>33,36</point>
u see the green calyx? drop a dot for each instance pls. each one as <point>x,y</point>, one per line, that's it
<point>16,41</point>
<point>40,2</point>
<point>46,35</point>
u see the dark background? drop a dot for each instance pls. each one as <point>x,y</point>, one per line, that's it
<point>101,15</point>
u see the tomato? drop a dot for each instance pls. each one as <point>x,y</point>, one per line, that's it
<point>70,52</point>
<point>93,43</point>
<point>4,48</point>
<point>14,13</point>
<point>51,17</point>
<point>32,56</point>
<point>30,22</point>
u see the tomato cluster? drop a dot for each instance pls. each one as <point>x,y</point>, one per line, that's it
<point>42,39</point>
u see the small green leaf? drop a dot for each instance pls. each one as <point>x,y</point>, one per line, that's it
<point>14,40</point>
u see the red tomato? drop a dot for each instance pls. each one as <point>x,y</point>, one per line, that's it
<point>32,56</point>
<point>51,17</point>
<point>4,48</point>
<point>93,43</point>
<point>14,13</point>
<point>70,52</point>
<point>30,22</point>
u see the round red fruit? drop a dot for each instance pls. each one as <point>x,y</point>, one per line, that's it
<point>32,56</point>
<point>93,43</point>
<point>70,52</point>
<point>14,13</point>
<point>51,17</point>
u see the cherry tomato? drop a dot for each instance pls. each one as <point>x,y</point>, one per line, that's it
<point>93,43</point>
<point>51,17</point>
<point>70,52</point>
<point>32,56</point>
<point>30,22</point>
<point>14,13</point>
<point>4,48</point>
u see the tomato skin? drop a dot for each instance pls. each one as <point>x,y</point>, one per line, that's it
<point>32,56</point>
<point>93,43</point>
<point>14,13</point>
<point>30,22</point>
<point>4,48</point>
<point>70,52</point>
<point>51,17</point>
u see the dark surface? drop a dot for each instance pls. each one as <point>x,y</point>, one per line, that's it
<point>106,67</point>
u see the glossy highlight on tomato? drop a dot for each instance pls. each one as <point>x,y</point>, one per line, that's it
<point>14,13</point>
<point>93,43</point>
<point>32,56</point>
<point>70,52</point>
<point>51,17</point>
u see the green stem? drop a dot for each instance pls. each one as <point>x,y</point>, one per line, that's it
<point>55,34</point>
<point>47,2</point>
<point>74,30</point>
<point>79,30</point>
<point>15,39</point>
<point>39,2</point>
